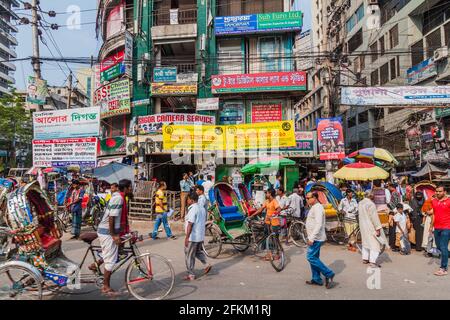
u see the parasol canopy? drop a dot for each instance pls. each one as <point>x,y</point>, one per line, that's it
<point>256,165</point>
<point>114,172</point>
<point>374,153</point>
<point>361,171</point>
<point>429,169</point>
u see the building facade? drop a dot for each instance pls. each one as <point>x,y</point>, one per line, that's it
<point>8,43</point>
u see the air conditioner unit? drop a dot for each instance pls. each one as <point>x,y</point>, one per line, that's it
<point>440,54</point>
<point>373,2</point>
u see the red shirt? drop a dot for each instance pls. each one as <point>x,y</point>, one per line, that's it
<point>441,209</point>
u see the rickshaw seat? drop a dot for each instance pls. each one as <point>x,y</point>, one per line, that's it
<point>231,214</point>
<point>88,237</point>
<point>231,209</point>
<point>48,241</point>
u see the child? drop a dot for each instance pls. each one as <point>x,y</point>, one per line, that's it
<point>401,231</point>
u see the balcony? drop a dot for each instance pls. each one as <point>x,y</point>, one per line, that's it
<point>170,24</point>
<point>9,65</point>
<point>6,8</point>
<point>111,44</point>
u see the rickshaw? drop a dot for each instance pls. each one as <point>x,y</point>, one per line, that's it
<point>230,225</point>
<point>36,265</point>
<point>426,187</point>
<point>246,199</point>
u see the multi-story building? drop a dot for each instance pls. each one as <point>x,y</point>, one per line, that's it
<point>57,99</point>
<point>85,82</point>
<point>8,43</point>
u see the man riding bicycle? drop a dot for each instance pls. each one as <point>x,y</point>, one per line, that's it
<point>349,207</point>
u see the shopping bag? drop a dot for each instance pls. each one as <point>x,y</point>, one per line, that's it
<point>405,245</point>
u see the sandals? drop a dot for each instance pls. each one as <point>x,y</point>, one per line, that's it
<point>189,277</point>
<point>365,261</point>
<point>207,269</point>
<point>441,272</point>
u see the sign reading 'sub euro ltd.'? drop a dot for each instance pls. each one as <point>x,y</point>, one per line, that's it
<point>72,123</point>
<point>255,23</point>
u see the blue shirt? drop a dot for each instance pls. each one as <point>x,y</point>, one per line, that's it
<point>200,182</point>
<point>197,216</point>
<point>77,205</point>
<point>185,185</point>
<point>277,184</point>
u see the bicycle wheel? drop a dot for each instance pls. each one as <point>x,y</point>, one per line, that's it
<point>297,232</point>
<point>18,282</point>
<point>212,245</point>
<point>242,243</point>
<point>358,240</point>
<point>150,277</point>
<point>95,217</point>
<point>277,258</point>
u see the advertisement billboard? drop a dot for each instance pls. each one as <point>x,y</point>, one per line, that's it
<point>392,96</point>
<point>71,123</point>
<point>330,137</point>
<point>154,123</point>
<point>165,74</point>
<point>65,152</point>
<point>163,89</point>
<point>113,99</point>
<point>37,91</point>
<point>256,23</point>
<point>269,112</point>
<point>208,104</point>
<point>424,70</point>
<point>258,82</point>
<point>305,148</point>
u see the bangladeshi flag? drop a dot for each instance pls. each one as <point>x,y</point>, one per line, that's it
<point>112,145</point>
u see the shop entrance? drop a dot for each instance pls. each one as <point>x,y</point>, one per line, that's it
<point>162,168</point>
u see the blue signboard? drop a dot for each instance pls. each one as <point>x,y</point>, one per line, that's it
<point>165,74</point>
<point>424,70</point>
<point>236,24</point>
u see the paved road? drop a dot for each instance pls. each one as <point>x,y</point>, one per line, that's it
<point>244,276</point>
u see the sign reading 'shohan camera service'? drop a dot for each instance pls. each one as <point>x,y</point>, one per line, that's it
<point>71,123</point>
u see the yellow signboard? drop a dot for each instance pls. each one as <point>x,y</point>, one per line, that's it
<point>272,135</point>
<point>166,89</point>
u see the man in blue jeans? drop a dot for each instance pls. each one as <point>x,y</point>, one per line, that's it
<point>161,212</point>
<point>315,228</point>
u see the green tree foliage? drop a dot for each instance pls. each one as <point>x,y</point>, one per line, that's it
<point>16,129</point>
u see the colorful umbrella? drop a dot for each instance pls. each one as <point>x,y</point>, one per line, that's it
<point>361,171</point>
<point>375,153</point>
<point>256,165</point>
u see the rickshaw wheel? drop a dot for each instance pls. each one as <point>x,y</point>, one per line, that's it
<point>19,283</point>
<point>242,243</point>
<point>213,241</point>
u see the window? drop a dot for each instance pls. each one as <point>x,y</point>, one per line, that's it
<point>374,78</point>
<point>230,56</point>
<point>392,65</point>
<point>393,36</point>
<point>447,34</point>
<point>355,41</point>
<point>373,52</point>
<point>350,24</point>
<point>363,117</point>
<point>436,16</point>
<point>362,62</point>
<point>433,41</point>
<point>398,66</point>
<point>381,46</point>
<point>417,53</point>
<point>266,6</point>
<point>384,73</point>
<point>360,12</point>
<point>355,18</point>
<point>351,122</point>
<point>269,52</point>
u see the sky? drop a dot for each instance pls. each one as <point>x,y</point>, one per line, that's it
<point>76,42</point>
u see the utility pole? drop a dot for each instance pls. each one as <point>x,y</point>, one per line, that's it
<point>69,96</point>
<point>35,41</point>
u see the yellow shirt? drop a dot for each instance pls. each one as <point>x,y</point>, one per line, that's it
<point>161,202</point>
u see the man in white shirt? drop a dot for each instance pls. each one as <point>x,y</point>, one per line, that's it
<point>315,228</point>
<point>202,201</point>
<point>195,235</point>
<point>284,203</point>
<point>296,203</point>
<point>207,185</point>
<point>349,206</point>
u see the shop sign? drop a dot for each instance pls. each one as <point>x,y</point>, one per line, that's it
<point>113,99</point>
<point>424,70</point>
<point>165,74</point>
<point>112,146</point>
<point>3,153</point>
<point>258,82</point>
<point>71,123</point>
<point>187,77</point>
<point>392,96</point>
<point>65,152</point>
<point>154,123</point>
<point>37,91</point>
<point>163,89</point>
<point>255,23</point>
<point>331,138</point>
<point>305,148</point>
<point>112,60</point>
<point>112,72</point>
<point>142,102</point>
<point>128,54</point>
<point>208,104</point>
<point>232,113</point>
<point>151,144</point>
<point>253,136</point>
<point>269,112</point>
<point>442,112</point>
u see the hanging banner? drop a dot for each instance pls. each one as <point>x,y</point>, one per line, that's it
<point>395,96</point>
<point>163,89</point>
<point>258,82</point>
<point>208,104</point>
<point>37,91</point>
<point>128,54</point>
<point>331,139</point>
<point>255,23</point>
<point>154,123</point>
<point>115,21</point>
<point>113,99</point>
<point>65,152</point>
<point>273,135</point>
<point>113,146</point>
<point>424,70</point>
<point>266,112</point>
<point>71,123</point>
<point>305,148</point>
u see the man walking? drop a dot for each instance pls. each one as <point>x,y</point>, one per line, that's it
<point>207,185</point>
<point>349,206</point>
<point>296,203</point>
<point>202,201</point>
<point>185,185</point>
<point>392,204</point>
<point>441,225</point>
<point>161,210</point>
<point>195,235</point>
<point>315,228</point>
<point>372,234</point>
<point>76,199</point>
<point>417,203</point>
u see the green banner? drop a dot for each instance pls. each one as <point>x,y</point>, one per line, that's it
<point>112,72</point>
<point>442,112</point>
<point>277,20</point>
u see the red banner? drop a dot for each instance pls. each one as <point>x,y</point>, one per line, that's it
<point>112,60</point>
<point>254,82</point>
<point>266,113</point>
<point>331,139</point>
